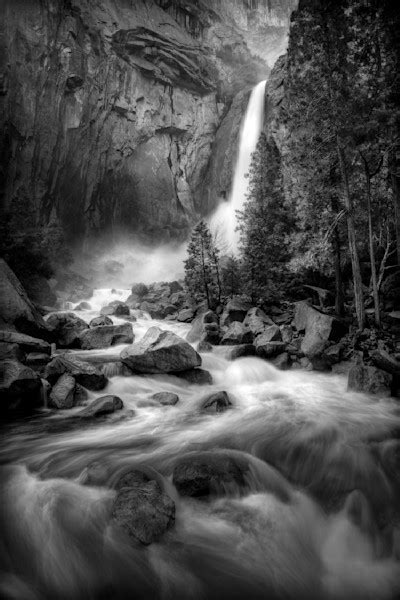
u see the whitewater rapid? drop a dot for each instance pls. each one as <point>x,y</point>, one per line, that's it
<point>318,518</point>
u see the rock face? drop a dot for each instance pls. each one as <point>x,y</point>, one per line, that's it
<point>20,387</point>
<point>116,124</point>
<point>16,310</point>
<point>141,508</point>
<point>160,352</point>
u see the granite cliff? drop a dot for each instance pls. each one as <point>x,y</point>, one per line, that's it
<point>122,116</point>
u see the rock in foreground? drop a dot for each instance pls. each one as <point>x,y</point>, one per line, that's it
<point>160,352</point>
<point>20,387</point>
<point>102,406</point>
<point>106,336</point>
<point>166,398</point>
<point>142,509</point>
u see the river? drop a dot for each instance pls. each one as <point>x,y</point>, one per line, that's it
<point>318,518</point>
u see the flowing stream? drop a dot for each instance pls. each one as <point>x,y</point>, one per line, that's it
<point>318,517</point>
<point>224,221</point>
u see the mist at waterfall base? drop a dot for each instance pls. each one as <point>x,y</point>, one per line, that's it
<point>223,222</point>
<point>129,261</point>
<point>315,519</point>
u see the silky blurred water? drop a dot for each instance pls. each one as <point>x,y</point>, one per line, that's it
<point>319,517</point>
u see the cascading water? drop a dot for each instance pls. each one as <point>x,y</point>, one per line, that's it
<point>316,517</point>
<point>224,222</point>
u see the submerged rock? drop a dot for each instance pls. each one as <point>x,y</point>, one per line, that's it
<point>218,402</point>
<point>160,352</point>
<point>106,336</point>
<point>202,474</point>
<point>67,328</point>
<point>166,398</point>
<point>83,372</point>
<point>102,406</point>
<point>141,508</point>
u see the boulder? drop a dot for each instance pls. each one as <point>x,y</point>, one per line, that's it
<point>140,290</point>
<point>67,328</point>
<point>142,509</point>
<point>218,402</point>
<point>267,349</point>
<point>185,315</point>
<point>160,352</point>
<point>101,321</point>
<point>25,342</point>
<point>256,321</point>
<point>242,350</point>
<point>154,309</point>
<point>121,310</point>
<point>83,306</point>
<point>16,309</point>
<point>83,372</point>
<point>177,299</point>
<point>272,333</point>
<point>204,347</point>
<point>37,359</point>
<point>63,392</point>
<point>202,474</point>
<point>236,309</point>
<point>12,352</point>
<point>319,328</point>
<point>369,379</point>
<point>196,376</point>
<point>199,323</point>
<point>282,361</point>
<point>106,336</point>
<point>107,311</point>
<point>383,360</point>
<point>166,398</point>
<point>104,405</point>
<point>235,334</point>
<point>20,387</point>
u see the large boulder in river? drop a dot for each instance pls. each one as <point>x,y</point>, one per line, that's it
<point>202,474</point>
<point>166,398</point>
<point>16,309</point>
<point>100,321</point>
<point>63,393</point>
<point>196,376</point>
<point>20,387</point>
<point>67,328</point>
<point>369,379</point>
<point>319,328</point>
<point>84,373</point>
<point>160,352</point>
<point>105,405</point>
<point>141,508</point>
<point>236,334</point>
<point>106,336</point>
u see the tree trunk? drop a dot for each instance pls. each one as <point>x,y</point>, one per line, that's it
<point>355,261</point>
<point>375,292</point>
<point>339,298</point>
<point>395,177</point>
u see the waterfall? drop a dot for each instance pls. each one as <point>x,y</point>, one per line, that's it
<point>223,222</point>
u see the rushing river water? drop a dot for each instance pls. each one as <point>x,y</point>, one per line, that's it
<point>318,519</point>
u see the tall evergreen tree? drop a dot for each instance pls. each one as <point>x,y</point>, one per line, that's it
<point>263,223</point>
<point>202,270</point>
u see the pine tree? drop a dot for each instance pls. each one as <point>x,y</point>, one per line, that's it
<point>202,271</point>
<point>264,223</point>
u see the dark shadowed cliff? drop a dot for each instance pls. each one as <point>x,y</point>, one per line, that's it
<point>122,116</point>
